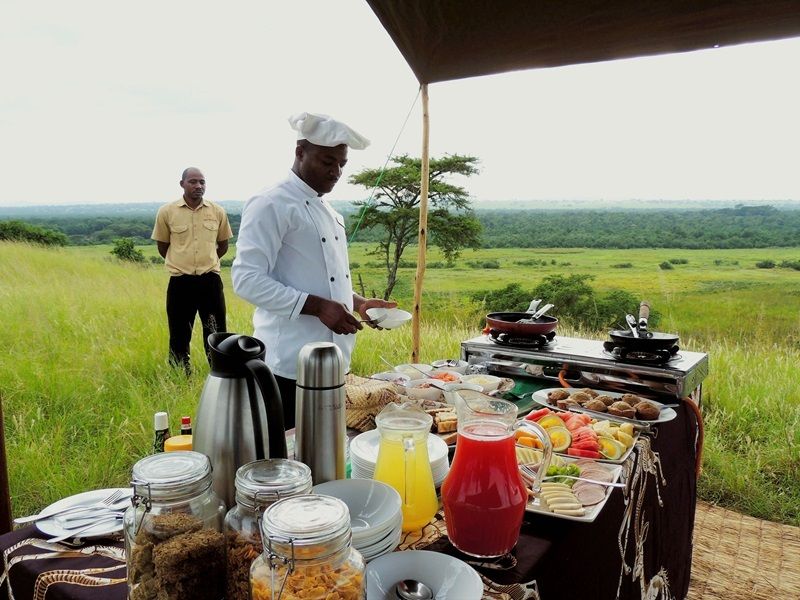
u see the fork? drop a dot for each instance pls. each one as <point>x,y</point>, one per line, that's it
<point>376,320</point>
<point>73,532</point>
<point>111,499</point>
<point>531,474</point>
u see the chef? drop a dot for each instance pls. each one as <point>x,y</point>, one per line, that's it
<point>291,256</point>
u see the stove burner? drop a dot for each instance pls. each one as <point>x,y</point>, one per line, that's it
<point>532,342</point>
<point>653,357</point>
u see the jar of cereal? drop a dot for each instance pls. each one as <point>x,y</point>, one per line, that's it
<point>258,485</point>
<point>173,531</point>
<point>307,553</point>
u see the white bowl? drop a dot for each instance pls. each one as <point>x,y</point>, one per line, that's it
<point>448,577</point>
<point>489,383</point>
<point>372,504</point>
<point>453,376</point>
<point>430,391</point>
<point>389,317</point>
<point>451,364</point>
<point>394,376</point>
<point>414,370</point>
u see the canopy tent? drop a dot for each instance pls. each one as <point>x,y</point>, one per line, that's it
<point>443,40</point>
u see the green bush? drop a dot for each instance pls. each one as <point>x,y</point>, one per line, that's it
<point>766,264</point>
<point>790,264</point>
<point>17,231</point>
<point>532,262</point>
<point>483,264</point>
<point>666,266</point>
<point>622,266</point>
<point>679,261</point>
<point>354,265</point>
<point>124,249</point>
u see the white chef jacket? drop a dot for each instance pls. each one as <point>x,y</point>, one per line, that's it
<point>292,243</point>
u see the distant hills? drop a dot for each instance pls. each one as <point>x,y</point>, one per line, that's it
<point>141,209</point>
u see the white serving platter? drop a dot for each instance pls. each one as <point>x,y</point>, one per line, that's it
<point>666,414</point>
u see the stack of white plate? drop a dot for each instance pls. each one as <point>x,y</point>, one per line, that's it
<point>364,455</point>
<point>376,515</point>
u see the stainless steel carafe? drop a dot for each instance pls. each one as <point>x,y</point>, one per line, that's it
<point>240,415</point>
<point>320,430</point>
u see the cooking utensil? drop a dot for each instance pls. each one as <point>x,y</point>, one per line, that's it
<point>73,532</point>
<point>508,322</point>
<point>411,589</point>
<point>534,305</point>
<point>542,311</point>
<point>376,320</point>
<point>106,502</point>
<point>644,315</point>
<point>631,321</point>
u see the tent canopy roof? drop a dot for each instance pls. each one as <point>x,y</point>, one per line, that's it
<point>453,39</point>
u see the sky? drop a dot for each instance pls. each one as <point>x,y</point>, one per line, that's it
<point>105,102</point>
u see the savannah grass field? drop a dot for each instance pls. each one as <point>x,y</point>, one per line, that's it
<point>84,338</point>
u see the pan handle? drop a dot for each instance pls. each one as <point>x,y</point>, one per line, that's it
<point>644,311</point>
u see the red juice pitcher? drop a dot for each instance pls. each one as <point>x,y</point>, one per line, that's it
<point>483,495</point>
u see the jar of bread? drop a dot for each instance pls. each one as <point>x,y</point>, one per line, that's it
<point>259,484</point>
<point>173,531</point>
<point>307,552</point>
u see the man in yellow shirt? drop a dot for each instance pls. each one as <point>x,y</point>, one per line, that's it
<point>192,235</point>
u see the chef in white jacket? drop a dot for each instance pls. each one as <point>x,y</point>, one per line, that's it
<point>291,256</point>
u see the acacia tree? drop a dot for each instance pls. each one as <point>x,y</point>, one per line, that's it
<point>394,211</point>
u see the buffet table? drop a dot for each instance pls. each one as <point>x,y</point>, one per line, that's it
<point>640,545</point>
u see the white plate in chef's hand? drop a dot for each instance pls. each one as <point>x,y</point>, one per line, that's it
<point>53,529</point>
<point>388,318</point>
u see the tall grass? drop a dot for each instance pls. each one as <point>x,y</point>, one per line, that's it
<point>84,342</point>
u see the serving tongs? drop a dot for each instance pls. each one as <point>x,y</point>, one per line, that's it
<point>535,311</point>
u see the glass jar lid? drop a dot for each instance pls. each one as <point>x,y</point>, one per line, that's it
<point>171,476</point>
<point>305,527</point>
<point>263,482</point>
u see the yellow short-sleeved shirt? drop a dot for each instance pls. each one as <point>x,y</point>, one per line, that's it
<point>192,236</point>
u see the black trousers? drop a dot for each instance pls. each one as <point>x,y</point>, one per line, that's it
<point>188,295</point>
<point>287,389</point>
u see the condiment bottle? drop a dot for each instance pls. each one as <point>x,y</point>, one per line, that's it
<point>186,425</point>
<point>161,426</point>
<point>174,543</point>
<point>307,552</point>
<point>259,484</point>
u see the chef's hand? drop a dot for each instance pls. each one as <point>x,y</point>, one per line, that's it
<point>362,304</point>
<point>333,314</point>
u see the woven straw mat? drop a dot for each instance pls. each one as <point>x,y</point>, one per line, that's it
<point>737,557</point>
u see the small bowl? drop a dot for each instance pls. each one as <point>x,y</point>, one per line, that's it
<point>451,364</point>
<point>415,370</point>
<point>448,577</point>
<point>489,383</point>
<point>372,504</point>
<point>395,377</point>
<point>429,392</point>
<point>445,375</point>
<point>389,318</point>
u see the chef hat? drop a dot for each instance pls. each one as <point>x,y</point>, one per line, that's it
<point>322,130</point>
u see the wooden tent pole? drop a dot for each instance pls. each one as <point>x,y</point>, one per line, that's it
<point>423,227</point>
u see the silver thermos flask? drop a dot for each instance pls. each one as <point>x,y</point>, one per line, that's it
<point>320,430</point>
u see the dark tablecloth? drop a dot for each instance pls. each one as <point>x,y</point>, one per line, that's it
<point>639,546</point>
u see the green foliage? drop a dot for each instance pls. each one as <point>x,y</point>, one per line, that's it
<point>626,265</point>
<point>790,264</point>
<point>124,249</point>
<point>17,231</point>
<point>394,215</point>
<point>679,261</point>
<point>665,266</point>
<point>483,264</point>
<point>532,262</point>
<point>766,264</point>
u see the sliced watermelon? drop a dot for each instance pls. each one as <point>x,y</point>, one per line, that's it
<point>538,414</point>
<point>583,453</point>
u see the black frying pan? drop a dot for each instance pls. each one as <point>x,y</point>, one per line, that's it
<point>643,339</point>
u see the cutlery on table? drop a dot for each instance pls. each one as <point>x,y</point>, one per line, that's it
<point>73,520</point>
<point>531,474</point>
<point>107,502</point>
<point>73,532</point>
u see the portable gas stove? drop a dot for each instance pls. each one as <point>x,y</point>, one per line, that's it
<point>588,363</point>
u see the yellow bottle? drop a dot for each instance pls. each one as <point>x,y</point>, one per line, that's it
<point>403,462</point>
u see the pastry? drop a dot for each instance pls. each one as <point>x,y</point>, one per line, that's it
<point>647,411</point>
<point>622,409</point>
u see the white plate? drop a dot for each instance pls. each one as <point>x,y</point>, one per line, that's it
<point>52,528</point>
<point>448,577</point>
<point>389,317</point>
<point>667,414</point>
<point>591,511</point>
<point>364,448</point>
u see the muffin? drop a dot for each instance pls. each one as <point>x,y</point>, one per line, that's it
<point>605,399</point>
<point>622,409</point>
<point>631,399</point>
<point>557,395</point>
<point>590,392</point>
<point>596,405</point>
<point>581,397</point>
<point>647,411</point>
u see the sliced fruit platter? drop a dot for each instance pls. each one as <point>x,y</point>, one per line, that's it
<point>622,408</point>
<point>580,436</point>
<point>561,495</point>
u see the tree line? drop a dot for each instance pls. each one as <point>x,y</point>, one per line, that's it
<point>741,227</point>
